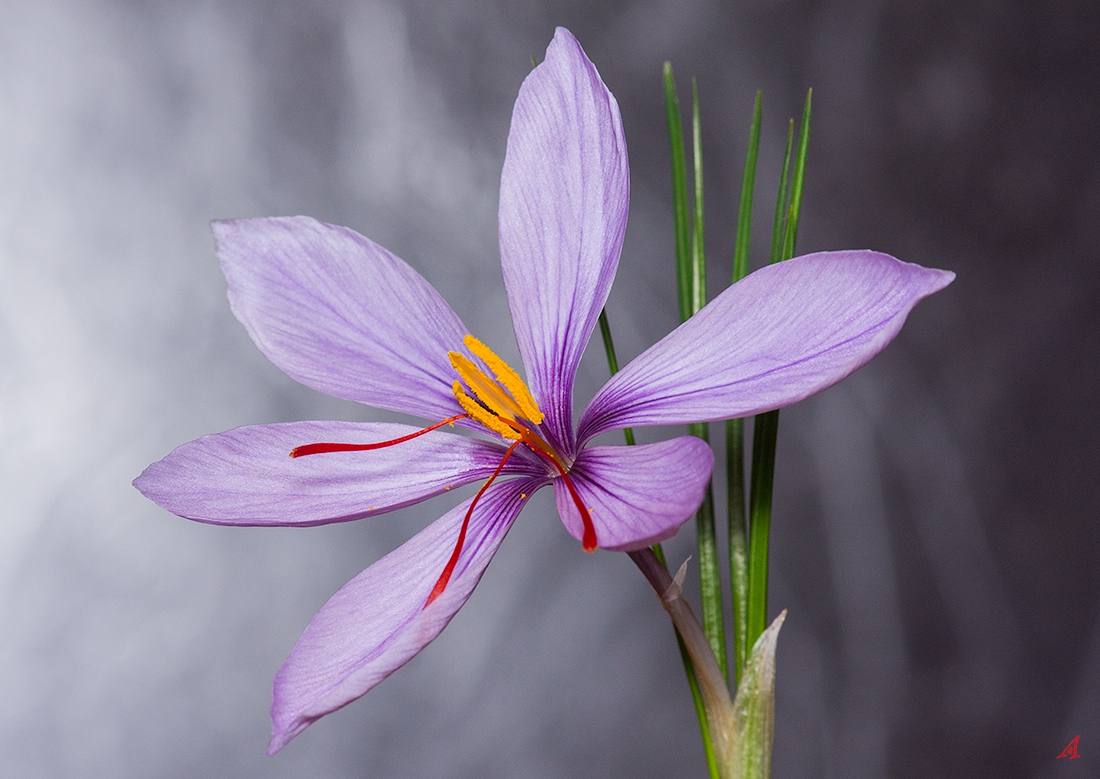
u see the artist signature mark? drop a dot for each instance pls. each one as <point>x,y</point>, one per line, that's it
<point>1071,749</point>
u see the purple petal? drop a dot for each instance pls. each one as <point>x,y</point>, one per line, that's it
<point>247,477</point>
<point>377,621</point>
<point>341,314</point>
<point>783,333</point>
<point>637,495</point>
<point>563,206</point>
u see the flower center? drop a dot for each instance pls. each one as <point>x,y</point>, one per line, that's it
<point>507,407</point>
<point>503,401</point>
<point>502,405</point>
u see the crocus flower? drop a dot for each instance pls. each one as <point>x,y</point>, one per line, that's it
<point>344,316</point>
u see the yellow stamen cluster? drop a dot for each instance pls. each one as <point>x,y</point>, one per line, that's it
<point>508,378</point>
<point>478,413</point>
<point>499,402</point>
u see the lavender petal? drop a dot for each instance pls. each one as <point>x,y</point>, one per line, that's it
<point>340,314</point>
<point>775,337</point>
<point>637,496</point>
<point>564,193</point>
<point>247,477</point>
<point>378,621</point>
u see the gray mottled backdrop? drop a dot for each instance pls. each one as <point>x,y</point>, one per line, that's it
<point>936,522</point>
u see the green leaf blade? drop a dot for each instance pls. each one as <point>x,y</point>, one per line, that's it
<point>735,428</point>
<point>679,194</point>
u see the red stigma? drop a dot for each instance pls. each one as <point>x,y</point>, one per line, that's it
<point>589,541</point>
<point>445,577</point>
<point>325,448</point>
<point>588,538</point>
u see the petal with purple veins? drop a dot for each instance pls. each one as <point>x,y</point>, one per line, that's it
<point>341,314</point>
<point>564,193</point>
<point>637,496</point>
<point>775,337</point>
<point>377,622</point>
<point>247,476</point>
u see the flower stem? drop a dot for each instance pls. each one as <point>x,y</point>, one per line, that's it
<point>659,557</point>
<point>695,276</point>
<point>711,680</point>
<point>693,683</point>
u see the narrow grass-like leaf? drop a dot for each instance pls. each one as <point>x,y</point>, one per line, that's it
<point>766,426</point>
<point>779,223</point>
<point>738,541</point>
<point>698,252</point>
<point>710,582</point>
<point>765,429</point>
<point>679,194</point>
<point>748,185</point>
<point>795,208</point>
<point>735,428</point>
<point>612,361</point>
<point>713,771</point>
<point>685,286</point>
<point>706,535</point>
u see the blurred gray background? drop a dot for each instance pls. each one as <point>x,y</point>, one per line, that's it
<point>936,521</point>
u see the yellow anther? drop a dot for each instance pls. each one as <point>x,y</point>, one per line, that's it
<point>487,391</point>
<point>508,378</point>
<point>479,414</point>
